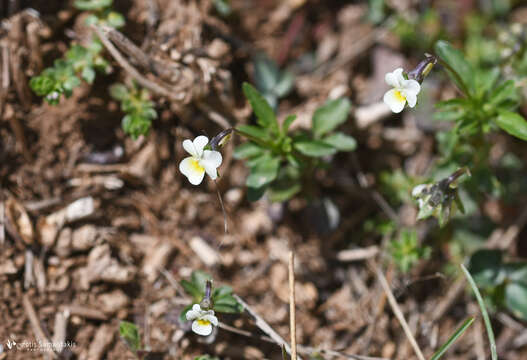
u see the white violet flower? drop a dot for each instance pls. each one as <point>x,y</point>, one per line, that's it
<point>203,320</point>
<point>202,161</point>
<point>403,91</point>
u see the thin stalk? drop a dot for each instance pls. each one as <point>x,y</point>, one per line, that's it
<point>484,313</point>
<point>454,72</point>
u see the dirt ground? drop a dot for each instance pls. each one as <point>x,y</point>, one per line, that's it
<point>98,228</point>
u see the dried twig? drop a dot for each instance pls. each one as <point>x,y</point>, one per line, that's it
<point>292,310</point>
<point>264,326</point>
<point>143,81</point>
<point>35,322</point>
<point>399,315</point>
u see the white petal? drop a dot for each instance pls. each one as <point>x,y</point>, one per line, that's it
<point>394,101</point>
<point>192,315</point>
<point>213,319</point>
<point>191,168</point>
<point>411,86</point>
<point>418,190</point>
<point>189,147</point>
<point>199,143</point>
<point>394,78</point>
<point>196,307</point>
<point>203,330</point>
<point>211,161</point>
<point>411,97</point>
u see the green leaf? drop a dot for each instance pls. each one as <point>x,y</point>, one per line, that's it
<point>248,150</point>
<point>513,123</point>
<point>42,85</point>
<point>255,194</point>
<point>287,123</point>
<point>504,92</point>
<point>191,289</point>
<point>314,148</point>
<point>263,172</point>
<point>130,334</point>
<point>88,74</point>
<point>516,299</point>
<point>459,69</point>
<point>460,330</point>
<point>485,80</point>
<point>284,191</point>
<point>266,73</point>
<point>199,278</point>
<point>341,141</point>
<point>253,132</point>
<point>115,20</point>
<point>330,115</point>
<point>92,4</point>
<point>135,125</point>
<point>263,111</point>
<point>285,84</point>
<point>485,267</point>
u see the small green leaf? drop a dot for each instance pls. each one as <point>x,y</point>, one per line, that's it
<point>115,20</point>
<point>287,123</point>
<point>130,334</point>
<point>263,172</point>
<point>92,4</point>
<point>285,84</point>
<point>341,141</point>
<point>248,150</point>
<point>253,132</point>
<point>314,148</point>
<point>504,92</point>
<point>459,69</point>
<point>512,123</point>
<point>255,194</point>
<point>191,289</point>
<point>516,299</point>
<point>263,111</point>
<point>266,73</point>
<point>88,74</point>
<point>284,191</point>
<point>330,115</point>
<point>485,266</point>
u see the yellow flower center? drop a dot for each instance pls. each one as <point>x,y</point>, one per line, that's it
<point>203,322</point>
<point>196,166</point>
<point>399,96</point>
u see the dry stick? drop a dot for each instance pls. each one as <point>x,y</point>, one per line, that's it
<point>399,315</point>
<point>292,310</point>
<point>307,350</point>
<point>143,81</point>
<point>264,326</point>
<point>35,322</point>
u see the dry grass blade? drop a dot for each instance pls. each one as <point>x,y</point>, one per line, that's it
<point>399,315</point>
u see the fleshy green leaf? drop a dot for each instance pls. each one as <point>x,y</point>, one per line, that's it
<point>130,334</point>
<point>253,132</point>
<point>248,150</point>
<point>516,299</point>
<point>263,111</point>
<point>459,69</point>
<point>183,314</point>
<point>255,194</point>
<point>504,92</point>
<point>263,172</point>
<point>92,4</point>
<point>330,115</point>
<point>314,148</point>
<point>287,123</point>
<point>341,141</point>
<point>513,123</point>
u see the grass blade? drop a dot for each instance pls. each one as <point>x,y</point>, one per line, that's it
<point>488,326</point>
<point>460,330</point>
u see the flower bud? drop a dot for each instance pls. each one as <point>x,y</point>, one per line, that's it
<point>221,139</point>
<point>423,68</point>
